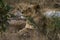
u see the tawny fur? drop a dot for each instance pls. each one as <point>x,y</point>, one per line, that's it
<point>34,12</point>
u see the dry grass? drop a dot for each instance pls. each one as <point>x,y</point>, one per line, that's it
<point>48,33</point>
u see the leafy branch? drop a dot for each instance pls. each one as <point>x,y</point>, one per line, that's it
<point>4,15</point>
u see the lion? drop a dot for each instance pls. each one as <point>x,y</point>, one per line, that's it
<point>35,18</point>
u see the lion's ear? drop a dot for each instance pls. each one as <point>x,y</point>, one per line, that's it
<point>37,6</point>
<point>57,6</point>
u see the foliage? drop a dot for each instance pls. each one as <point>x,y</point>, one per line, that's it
<point>4,15</point>
<point>54,23</point>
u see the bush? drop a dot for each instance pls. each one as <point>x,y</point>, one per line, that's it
<point>4,15</point>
